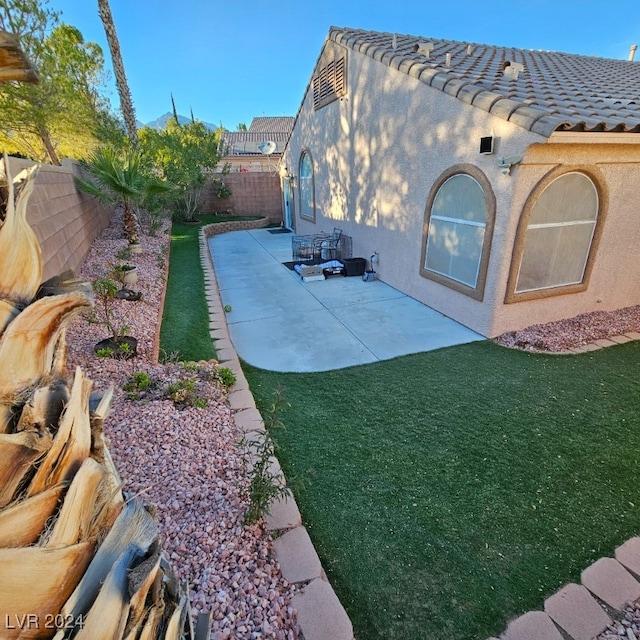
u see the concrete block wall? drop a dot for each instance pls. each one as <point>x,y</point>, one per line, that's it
<point>253,193</point>
<point>65,221</point>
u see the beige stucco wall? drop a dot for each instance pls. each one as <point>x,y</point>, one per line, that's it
<point>377,153</point>
<point>65,221</point>
<point>613,283</point>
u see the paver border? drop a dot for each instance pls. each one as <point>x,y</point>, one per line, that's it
<point>322,615</point>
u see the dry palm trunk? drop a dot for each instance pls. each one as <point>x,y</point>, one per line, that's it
<point>18,453</point>
<point>37,582</point>
<point>23,522</point>
<point>81,507</point>
<point>32,349</point>
<point>19,247</point>
<point>134,526</point>
<point>71,444</point>
<point>8,311</point>
<point>76,559</point>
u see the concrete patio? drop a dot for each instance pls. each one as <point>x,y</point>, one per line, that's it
<point>278,322</point>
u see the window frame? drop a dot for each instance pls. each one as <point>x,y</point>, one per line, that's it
<point>598,182</point>
<point>301,200</point>
<point>477,292</point>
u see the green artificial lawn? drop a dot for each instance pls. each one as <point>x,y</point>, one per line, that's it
<point>453,490</point>
<point>185,319</point>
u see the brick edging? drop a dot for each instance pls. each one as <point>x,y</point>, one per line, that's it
<point>236,225</point>
<point>588,609</point>
<point>320,615</point>
<point>155,354</point>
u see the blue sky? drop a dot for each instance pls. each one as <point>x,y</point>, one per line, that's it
<point>230,61</point>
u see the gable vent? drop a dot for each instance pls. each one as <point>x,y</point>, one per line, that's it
<point>329,83</point>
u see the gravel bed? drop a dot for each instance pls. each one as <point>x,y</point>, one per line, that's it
<point>563,335</point>
<point>185,461</point>
<point>628,626</point>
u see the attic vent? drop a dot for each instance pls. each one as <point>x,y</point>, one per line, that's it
<point>330,83</point>
<point>423,48</point>
<point>512,69</point>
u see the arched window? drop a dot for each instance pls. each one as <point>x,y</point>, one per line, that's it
<point>559,234</point>
<point>307,188</point>
<point>459,225</point>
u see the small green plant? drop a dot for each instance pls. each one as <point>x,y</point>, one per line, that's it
<point>265,485</point>
<point>227,308</point>
<point>170,357</point>
<point>104,352</point>
<point>184,393</point>
<point>138,384</point>
<point>123,254</point>
<point>221,189</point>
<point>106,290</point>
<point>226,376</point>
<point>190,366</point>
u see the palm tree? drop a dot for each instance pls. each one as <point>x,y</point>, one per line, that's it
<point>119,177</point>
<point>126,104</point>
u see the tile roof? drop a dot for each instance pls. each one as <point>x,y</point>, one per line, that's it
<point>551,91</point>
<point>246,142</point>
<point>272,124</point>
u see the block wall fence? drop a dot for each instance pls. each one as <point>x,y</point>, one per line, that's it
<point>253,193</point>
<point>65,221</point>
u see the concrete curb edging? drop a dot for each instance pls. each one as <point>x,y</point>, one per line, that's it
<point>320,614</point>
<point>583,611</point>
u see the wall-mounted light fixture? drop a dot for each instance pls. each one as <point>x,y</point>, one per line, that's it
<point>487,144</point>
<point>505,163</point>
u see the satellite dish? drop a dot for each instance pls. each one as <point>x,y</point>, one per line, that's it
<point>267,147</point>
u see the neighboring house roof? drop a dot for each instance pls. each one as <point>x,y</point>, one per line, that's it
<point>272,124</point>
<point>261,130</point>
<point>551,91</point>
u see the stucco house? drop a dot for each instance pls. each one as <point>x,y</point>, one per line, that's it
<point>499,186</point>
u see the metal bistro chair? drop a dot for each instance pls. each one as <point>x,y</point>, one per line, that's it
<point>326,247</point>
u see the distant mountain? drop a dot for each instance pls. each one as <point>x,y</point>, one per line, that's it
<point>159,123</point>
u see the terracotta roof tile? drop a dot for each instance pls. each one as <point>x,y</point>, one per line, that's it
<point>552,91</point>
<point>271,124</point>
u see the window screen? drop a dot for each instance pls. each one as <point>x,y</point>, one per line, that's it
<point>307,204</point>
<point>559,234</point>
<point>456,230</point>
